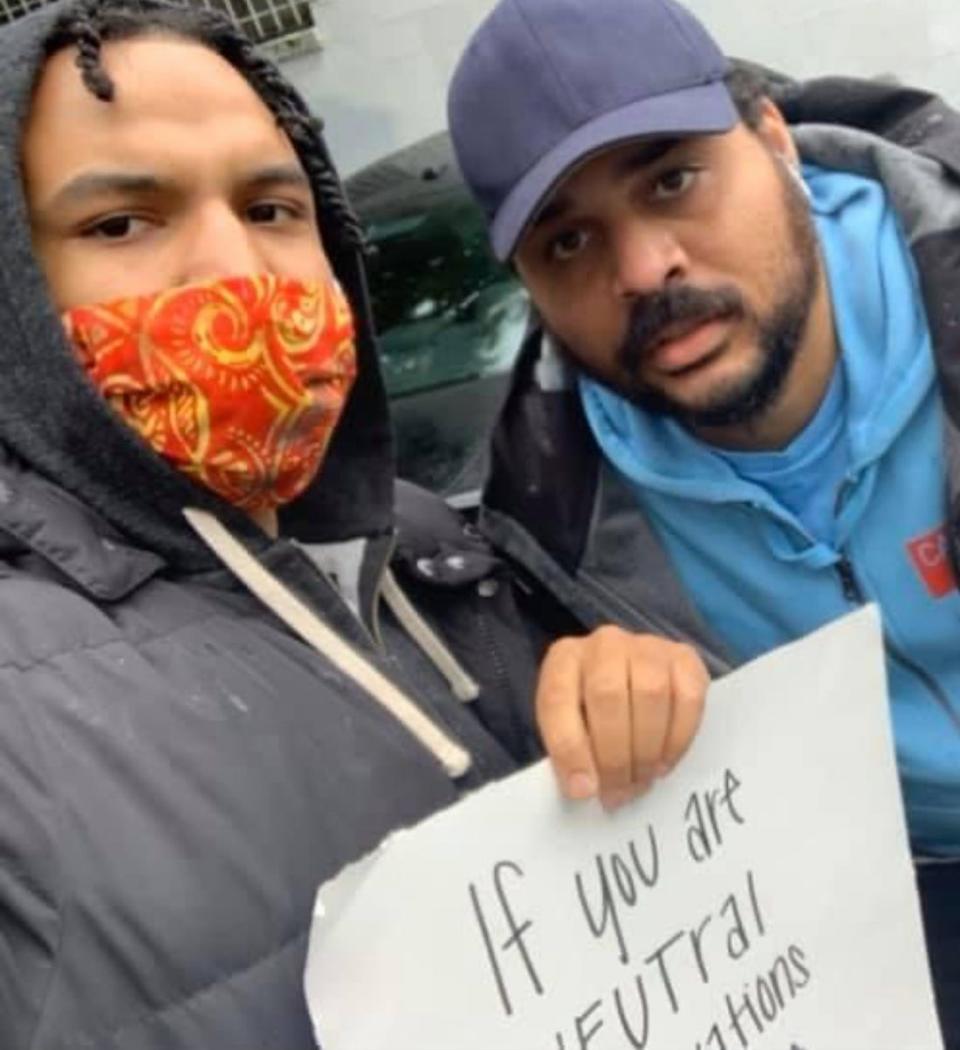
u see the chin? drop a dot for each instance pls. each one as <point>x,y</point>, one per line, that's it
<point>728,368</point>
<point>702,389</point>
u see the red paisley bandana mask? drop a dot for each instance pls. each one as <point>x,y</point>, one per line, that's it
<point>238,382</point>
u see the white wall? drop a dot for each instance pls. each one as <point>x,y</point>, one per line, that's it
<point>381,81</point>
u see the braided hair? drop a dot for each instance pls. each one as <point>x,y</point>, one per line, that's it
<point>89,24</point>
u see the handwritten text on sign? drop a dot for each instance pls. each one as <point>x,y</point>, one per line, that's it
<point>613,888</point>
<point>737,906</point>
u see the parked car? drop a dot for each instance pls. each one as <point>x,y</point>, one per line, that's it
<point>450,317</point>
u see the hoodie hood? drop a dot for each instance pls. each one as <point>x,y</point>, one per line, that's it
<point>54,421</point>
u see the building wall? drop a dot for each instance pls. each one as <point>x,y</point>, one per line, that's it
<point>380,82</point>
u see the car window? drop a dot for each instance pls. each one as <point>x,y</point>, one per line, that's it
<point>446,311</point>
<point>450,318</point>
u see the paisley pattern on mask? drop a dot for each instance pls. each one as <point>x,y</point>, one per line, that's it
<point>238,382</point>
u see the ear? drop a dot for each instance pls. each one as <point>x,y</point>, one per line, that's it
<point>774,131</point>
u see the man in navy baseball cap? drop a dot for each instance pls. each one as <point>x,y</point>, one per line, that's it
<point>737,411</point>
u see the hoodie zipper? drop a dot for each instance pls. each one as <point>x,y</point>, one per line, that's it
<point>849,582</point>
<point>855,595</point>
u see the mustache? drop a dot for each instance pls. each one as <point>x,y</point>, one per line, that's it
<point>652,315</point>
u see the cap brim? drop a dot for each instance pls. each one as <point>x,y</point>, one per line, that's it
<point>706,109</point>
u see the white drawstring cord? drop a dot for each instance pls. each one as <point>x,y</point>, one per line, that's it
<point>299,618</point>
<point>464,687</point>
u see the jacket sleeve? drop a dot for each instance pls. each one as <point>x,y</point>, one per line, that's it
<point>29,870</point>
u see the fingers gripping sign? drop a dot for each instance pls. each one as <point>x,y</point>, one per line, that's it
<point>616,710</point>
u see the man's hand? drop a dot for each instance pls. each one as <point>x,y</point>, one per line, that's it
<point>617,710</point>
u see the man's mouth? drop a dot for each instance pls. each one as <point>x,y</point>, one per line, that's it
<point>686,345</point>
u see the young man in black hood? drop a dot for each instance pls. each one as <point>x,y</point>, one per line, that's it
<point>213,691</point>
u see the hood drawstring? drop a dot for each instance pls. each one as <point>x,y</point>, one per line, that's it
<point>300,619</point>
<point>464,687</point>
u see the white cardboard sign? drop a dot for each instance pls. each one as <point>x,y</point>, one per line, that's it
<point>760,897</point>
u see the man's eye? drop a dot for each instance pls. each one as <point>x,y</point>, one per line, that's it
<point>566,245</point>
<point>267,213</point>
<point>674,183</point>
<point>116,228</point>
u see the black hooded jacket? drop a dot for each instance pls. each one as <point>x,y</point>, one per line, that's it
<point>179,770</point>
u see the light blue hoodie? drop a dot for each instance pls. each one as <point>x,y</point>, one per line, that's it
<point>757,575</point>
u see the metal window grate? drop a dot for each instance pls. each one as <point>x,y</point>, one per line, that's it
<point>10,10</point>
<point>264,21</point>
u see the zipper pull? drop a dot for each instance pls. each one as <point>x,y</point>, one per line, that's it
<point>848,581</point>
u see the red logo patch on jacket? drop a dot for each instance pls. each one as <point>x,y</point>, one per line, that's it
<point>931,559</point>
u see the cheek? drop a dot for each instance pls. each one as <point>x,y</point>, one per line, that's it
<point>589,324</point>
<point>83,278</point>
<point>759,244</point>
<point>582,310</point>
<point>301,258</point>
<point>73,278</point>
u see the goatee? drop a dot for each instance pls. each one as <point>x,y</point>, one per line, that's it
<point>779,333</point>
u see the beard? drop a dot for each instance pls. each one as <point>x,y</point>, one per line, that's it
<point>779,332</point>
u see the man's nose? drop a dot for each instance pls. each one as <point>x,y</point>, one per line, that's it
<point>217,242</point>
<point>646,258</point>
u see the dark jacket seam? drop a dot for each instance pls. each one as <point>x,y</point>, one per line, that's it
<point>159,1012</point>
<point>56,854</point>
<point>91,647</point>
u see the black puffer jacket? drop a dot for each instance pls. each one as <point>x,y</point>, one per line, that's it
<point>178,769</point>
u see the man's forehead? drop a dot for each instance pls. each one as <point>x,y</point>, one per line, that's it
<point>148,71</point>
<point>176,104</point>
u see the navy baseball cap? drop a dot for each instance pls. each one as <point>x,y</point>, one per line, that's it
<point>545,84</point>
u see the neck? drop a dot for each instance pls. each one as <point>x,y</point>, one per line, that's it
<point>803,390</point>
<point>267,520</point>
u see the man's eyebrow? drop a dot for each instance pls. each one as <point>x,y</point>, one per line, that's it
<point>277,175</point>
<point>94,184</point>
<point>643,156</point>
<point>556,209</point>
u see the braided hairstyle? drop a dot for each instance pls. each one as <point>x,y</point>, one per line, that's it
<point>89,24</point>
